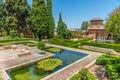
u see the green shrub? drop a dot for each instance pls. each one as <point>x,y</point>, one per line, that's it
<point>111,71</point>
<point>112,65</point>
<point>116,47</point>
<point>8,39</point>
<point>31,44</point>
<point>41,45</point>
<point>73,45</point>
<point>16,39</point>
<point>75,77</point>
<point>13,34</point>
<point>56,41</point>
<point>107,59</point>
<point>84,74</point>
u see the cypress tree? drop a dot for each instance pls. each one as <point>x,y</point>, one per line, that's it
<point>62,28</point>
<point>50,20</point>
<point>2,17</point>
<point>38,14</point>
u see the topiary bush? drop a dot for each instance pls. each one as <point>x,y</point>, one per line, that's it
<point>41,45</point>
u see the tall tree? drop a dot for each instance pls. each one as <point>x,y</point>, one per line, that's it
<point>85,26</point>
<point>113,24</point>
<point>50,20</point>
<point>38,17</point>
<point>16,13</point>
<point>26,25</point>
<point>62,28</point>
<point>2,17</point>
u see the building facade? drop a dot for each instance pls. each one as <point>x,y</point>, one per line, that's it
<point>97,31</point>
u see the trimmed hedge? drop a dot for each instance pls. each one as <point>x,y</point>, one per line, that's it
<point>13,40</point>
<point>116,47</point>
<point>41,45</point>
<point>107,59</point>
<point>84,74</point>
<point>112,72</point>
<point>112,65</point>
<point>57,41</point>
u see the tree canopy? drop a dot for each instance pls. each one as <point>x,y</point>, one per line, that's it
<point>17,12</point>
<point>2,17</point>
<point>42,19</point>
<point>113,24</point>
<point>62,29</point>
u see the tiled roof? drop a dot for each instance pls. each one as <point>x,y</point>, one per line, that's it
<point>97,18</point>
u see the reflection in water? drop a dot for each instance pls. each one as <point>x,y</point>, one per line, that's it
<point>29,72</point>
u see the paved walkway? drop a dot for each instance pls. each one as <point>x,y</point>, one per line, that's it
<point>71,69</point>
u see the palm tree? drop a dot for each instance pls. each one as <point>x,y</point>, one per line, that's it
<point>85,26</point>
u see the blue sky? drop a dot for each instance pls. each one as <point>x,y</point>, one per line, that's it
<point>74,12</point>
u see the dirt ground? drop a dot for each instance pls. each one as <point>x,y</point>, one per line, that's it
<point>98,71</point>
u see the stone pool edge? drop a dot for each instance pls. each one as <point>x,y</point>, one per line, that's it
<point>4,74</point>
<point>90,63</point>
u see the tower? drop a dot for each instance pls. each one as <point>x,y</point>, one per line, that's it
<point>96,23</point>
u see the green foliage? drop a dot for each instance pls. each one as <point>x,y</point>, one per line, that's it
<point>17,13</point>
<point>56,41</point>
<point>68,43</point>
<point>112,65</point>
<point>49,20</point>
<point>41,45</point>
<point>75,77</point>
<point>13,34</point>
<point>41,16</point>
<point>13,40</point>
<point>113,24</point>
<point>31,44</point>
<point>112,71</point>
<point>62,29</point>
<point>84,74</point>
<point>85,25</point>
<point>108,59</point>
<point>116,47</point>
<point>49,64</point>
<point>2,16</point>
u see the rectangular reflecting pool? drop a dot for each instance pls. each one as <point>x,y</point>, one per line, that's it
<point>28,73</point>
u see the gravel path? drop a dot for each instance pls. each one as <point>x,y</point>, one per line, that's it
<point>99,72</point>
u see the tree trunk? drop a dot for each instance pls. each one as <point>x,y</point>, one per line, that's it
<point>8,32</point>
<point>86,33</point>
<point>39,37</point>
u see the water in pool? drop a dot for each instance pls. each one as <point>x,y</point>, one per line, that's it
<point>28,73</point>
